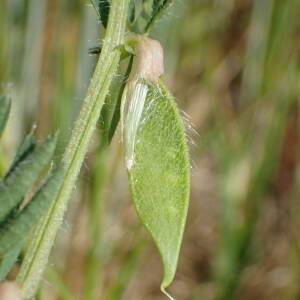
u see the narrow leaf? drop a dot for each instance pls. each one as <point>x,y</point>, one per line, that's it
<point>9,259</point>
<point>156,5</point>
<point>14,187</point>
<point>4,112</point>
<point>95,5</point>
<point>110,114</point>
<point>102,8</point>
<point>26,147</point>
<point>95,50</point>
<point>159,174</point>
<point>17,228</point>
<point>131,14</point>
<point>159,7</point>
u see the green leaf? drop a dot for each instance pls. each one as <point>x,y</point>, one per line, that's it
<point>131,14</point>
<point>40,246</point>
<point>110,113</point>
<point>16,229</point>
<point>9,259</point>
<point>159,175</point>
<point>26,148</point>
<point>102,8</point>
<point>159,7</point>
<point>4,112</point>
<point>146,9</point>
<point>95,50</point>
<point>14,187</point>
<point>156,5</point>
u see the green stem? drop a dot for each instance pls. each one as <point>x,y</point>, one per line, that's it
<point>99,179</point>
<point>38,251</point>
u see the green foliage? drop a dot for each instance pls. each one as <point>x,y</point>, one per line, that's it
<point>159,176</point>
<point>24,171</point>
<point>9,258</point>
<point>158,9</point>
<point>23,175</point>
<point>16,228</point>
<point>102,8</point>
<point>110,114</point>
<point>26,147</point>
<point>131,15</point>
<point>236,66</point>
<point>36,257</point>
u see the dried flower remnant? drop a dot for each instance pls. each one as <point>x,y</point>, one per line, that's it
<point>148,66</point>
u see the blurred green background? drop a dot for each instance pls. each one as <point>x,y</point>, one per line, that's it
<point>234,66</point>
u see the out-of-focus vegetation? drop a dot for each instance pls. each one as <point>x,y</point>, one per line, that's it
<point>235,68</point>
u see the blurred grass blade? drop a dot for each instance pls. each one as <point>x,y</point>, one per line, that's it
<point>127,268</point>
<point>159,176</point>
<point>16,229</point>
<point>14,187</point>
<point>4,112</point>
<point>57,281</point>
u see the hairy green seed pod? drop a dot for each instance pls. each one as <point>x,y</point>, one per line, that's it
<point>156,154</point>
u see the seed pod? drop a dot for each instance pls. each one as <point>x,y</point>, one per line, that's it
<point>156,155</point>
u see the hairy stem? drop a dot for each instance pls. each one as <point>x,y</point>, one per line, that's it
<point>39,249</point>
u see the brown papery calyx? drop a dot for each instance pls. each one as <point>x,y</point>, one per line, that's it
<point>149,59</point>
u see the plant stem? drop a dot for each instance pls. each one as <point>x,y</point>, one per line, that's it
<point>38,251</point>
<point>100,176</point>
